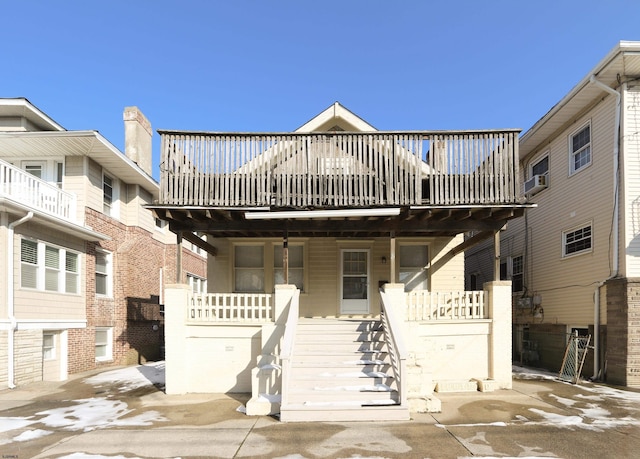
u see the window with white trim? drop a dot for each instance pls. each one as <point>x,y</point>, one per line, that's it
<point>249,269</point>
<point>517,274</point>
<point>47,267</point>
<point>48,346</point>
<point>104,279</point>
<point>580,149</point>
<point>577,241</point>
<point>197,283</point>
<point>296,265</point>
<point>104,343</point>
<point>109,196</point>
<point>413,264</point>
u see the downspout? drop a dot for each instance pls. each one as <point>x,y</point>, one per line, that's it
<point>13,324</point>
<point>616,224</point>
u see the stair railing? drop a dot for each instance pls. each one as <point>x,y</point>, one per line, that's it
<point>394,337</point>
<point>287,345</point>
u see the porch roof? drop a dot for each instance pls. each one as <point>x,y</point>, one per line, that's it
<point>409,221</point>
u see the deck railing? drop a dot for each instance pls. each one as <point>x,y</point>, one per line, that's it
<point>230,307</point>
<point>27,189</point>
<point>339,169</point>
<point>424,305</point>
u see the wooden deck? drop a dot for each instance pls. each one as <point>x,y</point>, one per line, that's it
<point>339,170</point>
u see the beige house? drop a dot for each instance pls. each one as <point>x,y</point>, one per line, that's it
<point>574,260</point>
<point>82,262</point>
<point>336,266</point>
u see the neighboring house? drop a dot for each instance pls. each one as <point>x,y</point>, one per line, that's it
<point>304,229</point>
<point>83,262</point>
<point>574,260</point>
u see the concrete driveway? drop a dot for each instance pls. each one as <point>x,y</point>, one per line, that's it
<point>124,413</point>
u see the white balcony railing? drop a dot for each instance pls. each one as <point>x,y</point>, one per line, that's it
<point>424,305</point>
<point>24,188</point>
<point>230,307</point>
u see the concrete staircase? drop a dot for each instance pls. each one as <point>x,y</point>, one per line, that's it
<point>340,371</point>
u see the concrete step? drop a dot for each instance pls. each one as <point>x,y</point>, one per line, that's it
<point>367,394</point>
<point>346,412</point>
<point>315,347</point>
<point>328,379</point>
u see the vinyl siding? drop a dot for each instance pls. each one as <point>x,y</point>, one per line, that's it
<point>39,304</point>
<point>322,277</point>
<point>567,284</point>
<point>631,164</point>
<point>75,181</point>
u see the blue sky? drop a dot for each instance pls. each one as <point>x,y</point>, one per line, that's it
<point>272,65</point>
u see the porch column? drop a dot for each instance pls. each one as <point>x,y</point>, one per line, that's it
<point>179,257</point>
<point>499,311</point>
<point>176,304</point>
<point>285,257</point>
<point>392,259</point>
<point>496,254</point>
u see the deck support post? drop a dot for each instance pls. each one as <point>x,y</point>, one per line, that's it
<point>496,255</point>
<point>392,259</point>
<point>179,258</point>
<point>285,256</point>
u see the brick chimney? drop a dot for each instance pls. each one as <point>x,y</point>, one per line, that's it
<point>137,138</point>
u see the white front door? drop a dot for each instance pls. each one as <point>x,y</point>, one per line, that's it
<point>354,285</point>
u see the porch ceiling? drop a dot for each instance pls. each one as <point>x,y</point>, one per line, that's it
<point>411,221</point>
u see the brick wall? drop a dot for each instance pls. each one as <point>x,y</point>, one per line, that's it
<point>623,332</point>
<point>137,259</point>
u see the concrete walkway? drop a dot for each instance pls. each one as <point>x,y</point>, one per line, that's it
<point>540,417</point>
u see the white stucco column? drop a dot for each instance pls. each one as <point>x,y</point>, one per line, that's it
<point>283,295</point>
<point>500,343</point>
<point>176,297</point>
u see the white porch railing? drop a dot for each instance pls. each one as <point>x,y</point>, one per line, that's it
<point>230,307</point>
<point>424,305</point>
<point>287,345</point>
<point>24,188</point>
<point>394,337</point>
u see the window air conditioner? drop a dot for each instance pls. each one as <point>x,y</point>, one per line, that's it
<point>535,184</point>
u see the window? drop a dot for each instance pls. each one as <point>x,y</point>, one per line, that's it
<point>414,260</point>
<point>107,195</point>
<point>103,273</point>
<point>59,173</point>
<point>540,167</point>
<point>296,265</point>
<point>517,273</point>
<point>577,241</point>
<point>249,268</point>
<point>48,346</point>
<point>35,169</point>
<point>71,274</point>
<point>104,343</point>
<point>473,282</point>
<point>29,264</point>
<point>50,268</point>
<point>197,284</point>
<point>580,148</point>
<point>513,269</point>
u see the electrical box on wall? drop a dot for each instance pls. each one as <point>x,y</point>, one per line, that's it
<point>524,302</point>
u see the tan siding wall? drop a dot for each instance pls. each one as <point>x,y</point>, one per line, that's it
<point>4,221</point>
<point>75,181</point>
<point>93,190</point>
<point>321,295</point>
<point>38,304</point>
<point>567,284</point>
<point>631,164</point>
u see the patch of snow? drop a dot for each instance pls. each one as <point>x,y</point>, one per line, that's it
<point>32,435</point>
<point>564,401</point>
<point>271,398</point>
<point>7,424</point>
<point>133,377</point>
<point>242,409</point>
<point>96,413</point>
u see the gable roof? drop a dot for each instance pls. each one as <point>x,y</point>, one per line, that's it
<point>20,107</point>
<point>621,64</point>
<point>336,117</point>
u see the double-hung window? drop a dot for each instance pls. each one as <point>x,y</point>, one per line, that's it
<point>249,268</point>
<point>107,195</point>
<point>48,346</point>
<point>47,267</point>
<point>577,241</point>
<point>197,283</point>
<point>296,265</point>
<point>104,343</point>
<point>580,149</point>
<point>512,268</point>
<point>414,260</point>
<point>103,273</point>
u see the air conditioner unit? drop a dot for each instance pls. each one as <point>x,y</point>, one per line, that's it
<point>535,184</point>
